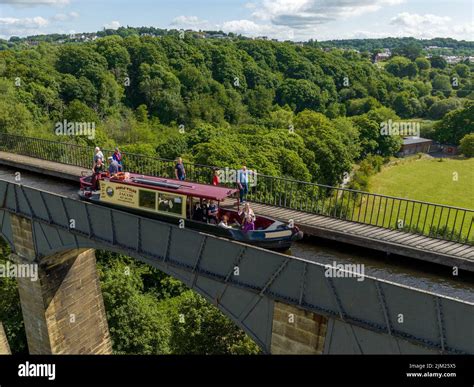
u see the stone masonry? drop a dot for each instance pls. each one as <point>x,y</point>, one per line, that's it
<point>63,310</point>
<point>297,331</point>
<point>4,347</point>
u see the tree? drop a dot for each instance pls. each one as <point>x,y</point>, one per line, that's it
<point>401,67</point>
<point>438,62</point>
<point>116,55</point>
<point>10,308</point>
<point>198,327</point>
<point>78,111</point>
<point>259,101</point>
<point>422,63</point>
<point>466,145</point>
<point>440,108</point>
<point>411,50</point>
<point>455,125</point>
<point>300,94</point>
<point>137,323</point>
<point>442,83</point>
<point>462,70</point>
<point>360,106</point>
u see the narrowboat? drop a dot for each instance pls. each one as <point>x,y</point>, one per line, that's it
<point>176,201</point>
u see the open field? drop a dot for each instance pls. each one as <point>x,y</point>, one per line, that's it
<point>450,182</point>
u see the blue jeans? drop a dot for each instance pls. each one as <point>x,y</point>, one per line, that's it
<point>182,178</point>
<point>243,191</point>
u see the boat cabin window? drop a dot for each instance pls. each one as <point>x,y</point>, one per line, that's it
<point>170,203</point>
<point>147,199</point>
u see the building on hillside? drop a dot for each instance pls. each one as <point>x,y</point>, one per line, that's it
<point>413,145</point>
<point>384,55</point>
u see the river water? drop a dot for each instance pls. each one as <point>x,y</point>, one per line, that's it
<point>406,271</point>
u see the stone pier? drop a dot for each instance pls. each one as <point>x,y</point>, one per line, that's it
<point>4,347</point>
<point>297,331</point>
<point>63,310</point>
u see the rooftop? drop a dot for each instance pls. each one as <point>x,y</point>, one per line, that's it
<point>204,191</point>
<point>415,140</point>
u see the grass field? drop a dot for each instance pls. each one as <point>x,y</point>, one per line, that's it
<point>428,180</point>
<point>450,182</point>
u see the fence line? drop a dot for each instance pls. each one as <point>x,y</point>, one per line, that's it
<point>412,216</point>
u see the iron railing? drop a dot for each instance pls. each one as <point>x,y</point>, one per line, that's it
<point>413,216</point>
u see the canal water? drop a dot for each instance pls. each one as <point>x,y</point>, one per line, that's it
<point>401,270</point>
<point>405,271</point>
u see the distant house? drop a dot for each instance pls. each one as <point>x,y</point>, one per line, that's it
<point>452,59</point>
<point>381,56</point>
<point>412,145</point>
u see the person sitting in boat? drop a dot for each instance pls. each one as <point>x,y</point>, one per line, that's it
<point>224,223</point>
<point>246,211</point>
<point>205,211</point>
<point>212,212</point>
<point>198,213</point>
<point>113,166</point>
<point>249,224</point>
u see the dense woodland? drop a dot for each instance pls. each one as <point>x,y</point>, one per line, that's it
<point>285,109</point>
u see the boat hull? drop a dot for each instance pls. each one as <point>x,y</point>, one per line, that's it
<point>279,239</point>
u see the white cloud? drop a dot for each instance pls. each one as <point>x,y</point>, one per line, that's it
<point>304,14</point>
<point>253,29</point>
<point>415,21</point>
<point>11,26</point>
<point>188,21</point>
<point>62,17</point>
<point>429,26</point>
<point>113,25</point>
<point>34,3</point>
<point>27,22</point>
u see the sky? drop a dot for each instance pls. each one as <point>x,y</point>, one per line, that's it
<point>281,19</point>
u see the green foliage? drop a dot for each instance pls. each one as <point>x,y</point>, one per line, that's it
<point>440,108</point>
<point>200,328</point>
<point>455,125</point>
<point>466,145</point>
<point>154,95</point>
<point>442,83</point>
<point>137,324</point>
<point>401,67</point>
<point>10,309</point>
<point>422,63</point>
<point>368,167</point>
<point>438,62</point>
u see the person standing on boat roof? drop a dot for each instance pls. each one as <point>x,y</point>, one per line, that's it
<point>117,156</point>
<point>179,170</point>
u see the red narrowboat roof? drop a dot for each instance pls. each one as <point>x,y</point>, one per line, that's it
<point>187,188</point>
